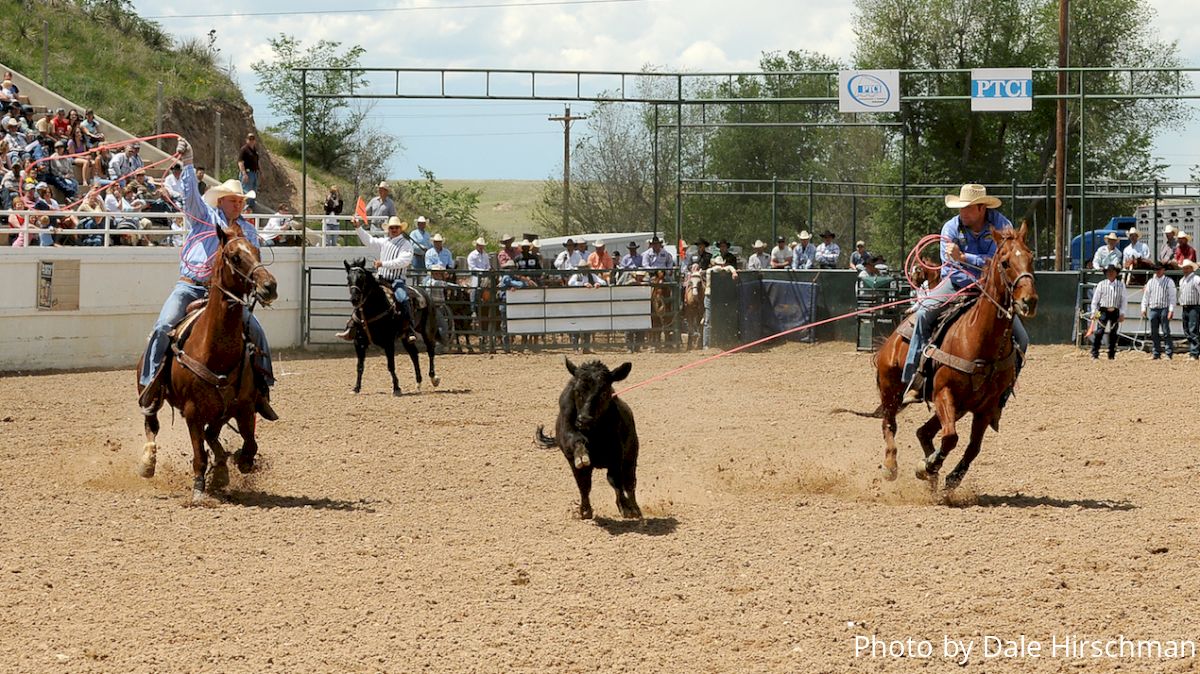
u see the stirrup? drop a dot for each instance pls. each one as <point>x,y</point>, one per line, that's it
<point>346,335</point>
<point>915,392</point>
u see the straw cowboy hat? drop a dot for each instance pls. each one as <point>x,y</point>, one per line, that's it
<point>437,238</point>
<point>392,222</point>
<point>805,236</point>
<point>421,220</point>
<point>438,267</point>
<point>1112,236</point>
<point>599,243</point>
<point>759,244</point>
<point>481,241</point>
<point>1189,265</point>
<point>970,195</point>
<point>507,238</point>
<point>526,243</point>
<point>536,244</point>
<point>1170,229</point>
<point>229,188</point>
<point>384,186</point>
<point>1183,235</point>
<point>1133,231</point>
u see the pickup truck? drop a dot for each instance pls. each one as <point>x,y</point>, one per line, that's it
<point>1088,242</point>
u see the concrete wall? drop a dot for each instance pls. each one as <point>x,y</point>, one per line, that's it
<point>120,293</point>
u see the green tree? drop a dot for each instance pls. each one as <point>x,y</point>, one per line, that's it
<point>452,212</point>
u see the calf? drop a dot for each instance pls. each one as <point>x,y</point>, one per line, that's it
<point>595,430</point>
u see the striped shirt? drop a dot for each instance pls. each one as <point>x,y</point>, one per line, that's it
<point>1159,294</point>
<point>1189,290</point>
<point>1109,295</point>
<point>395,253</point>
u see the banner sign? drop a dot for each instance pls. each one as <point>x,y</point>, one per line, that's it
<point>998,89</point>
<point>869,91</point>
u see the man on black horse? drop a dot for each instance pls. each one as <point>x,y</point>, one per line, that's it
<point>219,207</point>
<point>394,255</point>
<point>967,245</point>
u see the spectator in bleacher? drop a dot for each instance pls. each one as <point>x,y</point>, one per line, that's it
<point>718,267</point>
<point>282,221</point>
<point>173,185</point>
<point>1189,302</point>
<point>248,166</point>
<point>781,255</point>
<point>657,257</point>
<point>601,261</point>
<point>701,259</point>
<point>45,124</point>
<point>1158,304</point>
<point>91,216</point>
<point>723,251</point>
<point>421,243</point>
<point>1184,250</point>
<point>1108,253</point>
<point>381,207</point>
<point>61,173</point>
<point>60,125</point>
<point>201,186</point>
<point>507,252</point>
<point>760,259</point>
<point>99,167</point>
<point>8,91</point>
<point>804,256</point>
<point>125,164</point>
<point>333,207</point>
<point>1137,253</point>
<point>1167,252</point>
<point>529,262</point>
<point>1108,310</point>
<point>91,129</point>
<point>76,144</point>
<point>631,260</point>
<point>828,252</point>
<point>43,200</point>
<point>439,254</point>
<point>10,184</point>
<point>12,118</point>
<point>39,148</point>
<point>858,258</point>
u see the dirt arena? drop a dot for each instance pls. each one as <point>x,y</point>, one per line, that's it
<point>427,533</point>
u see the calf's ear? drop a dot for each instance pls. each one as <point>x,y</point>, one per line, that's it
<point>570,366</point>
<point>622,371</point>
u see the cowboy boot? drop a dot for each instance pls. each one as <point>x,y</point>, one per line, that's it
<point>1009,391</point>
<point>263,404</point>
<point>151,399</point>
<point>348,333</point>
<point>916,389</point>
<point>410,334</point>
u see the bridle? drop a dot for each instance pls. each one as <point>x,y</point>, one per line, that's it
<point>358,316</point>
<point>250,299</point>
<point>1004,306</point>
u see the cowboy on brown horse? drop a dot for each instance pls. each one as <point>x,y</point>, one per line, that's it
<point>219,207</point>
<point>967,246</point>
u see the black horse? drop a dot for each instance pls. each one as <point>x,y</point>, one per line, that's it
<point>377,322</point>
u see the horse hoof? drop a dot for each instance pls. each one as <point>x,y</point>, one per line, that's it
<point>889,473</point>
<point>923,474</point>
<point>582,460</point>
<point>396,392</point>
<point>435,381</point>
<point>198,496</point>
<point>149,459</point>
<point>355,390</point>
<point>219,479</point>
<point>953,481</point>
<point>585,513</point>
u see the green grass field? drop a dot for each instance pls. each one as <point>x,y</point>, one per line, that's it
<point>506,206</point>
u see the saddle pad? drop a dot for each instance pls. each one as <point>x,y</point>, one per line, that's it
<point>951,313</point>
<point>180,334</point>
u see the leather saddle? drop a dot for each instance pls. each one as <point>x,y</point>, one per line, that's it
<point>418,297</point>
<point>933,357</point>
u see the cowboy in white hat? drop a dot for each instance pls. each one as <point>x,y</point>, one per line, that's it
<point>438,254</point>
<point>381,206</point>
<point>507,253</point>
<point>478,259</point>
<point>1109,253</point>
<point>600,260</point>
<point>858,258</point>
<point>1189,302</point>
<point>1183,250</point>
<point>221,206</point>
<point>760,259</point>
<point>967,245</point>
<point>422,243</point>
<point>804,255</point>
<point>1167,252</point>
<point>393,257</point>
<point>1137,253</point>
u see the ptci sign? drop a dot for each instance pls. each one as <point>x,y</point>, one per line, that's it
<point>995,89</point>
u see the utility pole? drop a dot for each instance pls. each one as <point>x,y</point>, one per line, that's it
<point>1060,143</point>
<point>566,120</point>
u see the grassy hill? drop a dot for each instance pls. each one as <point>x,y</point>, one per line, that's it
<point>110,60</point>
<point>505,206</point>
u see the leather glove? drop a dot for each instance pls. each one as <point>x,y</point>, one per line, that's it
<point>184,150</point>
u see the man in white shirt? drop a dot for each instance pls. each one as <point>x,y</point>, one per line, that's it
<point>1189,303</point>
<point>805,254</point>
<point>759,260</point>
<point>1137,253</point>
<point>271,232</point>
<point>570,257</point>
<point>1158,303</point>
<point>1108,253</point>
<point>781,255</point>
<point>395,255</point>
<point>1108,311</point>
<point>173,184</point>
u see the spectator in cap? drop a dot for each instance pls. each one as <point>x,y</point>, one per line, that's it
<point>1184,251</point>
<point>1137,253</point>
<point>828,252</point>
<point>657,257</point>
<point>61,173</point>
<point>858,259</point>
<point>1189,303</point>
<point>507,252</point>
<point>804,256</point>
<point>1108,311</point>
<point>760,259</point>
<point>1158,304</point>
<point>570,257</point>
<point>600,261</point>
<point>1167,252</point>
<point>381,206</point>
<point>1108,253</point>
<point>124,164</point>
<point>248,166</point>
<point>873,274</point>
<point>438,254</point>
<point>422,243</point>
<point>781,255</point>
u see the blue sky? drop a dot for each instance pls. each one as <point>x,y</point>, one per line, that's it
<point>481,139</point>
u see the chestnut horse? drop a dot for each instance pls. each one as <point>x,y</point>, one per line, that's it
<point>693,306</point>
<point>212,379</point>
<point>980,341</point>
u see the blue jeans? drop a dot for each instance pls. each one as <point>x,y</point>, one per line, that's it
<point>1191,328</point>
<point>250,184</point>
<point>1160,328</point>
<point>173,311</point>
<point>928,310</point>
<point>707,332</point>
<point>400,289</point>
<point>67,185</point>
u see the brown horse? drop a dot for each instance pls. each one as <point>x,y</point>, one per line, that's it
<point>981,342</point>
<point>693,306</point>
<point>211,379</point>
<point>487,311</point>
<point>662,312</point>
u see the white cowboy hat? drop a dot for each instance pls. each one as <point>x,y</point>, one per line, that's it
<point>481,241</point>
<point>860,243</point>
<point>436,237</point>
<point>598,243</point>
<point>506,238</point>
<point>438,267</point>
<point>525,243</point>
<point>1188,264</point>
<point>392,222</point>
<point>420,219</point>
<point>536,243</point>
<point>384,185</point>
<point>759,243</point>
<point>1183,235</point>
<point>1170,229</point>
<point>1112,236</point>
<point>805,236</point>
<point>229,188</point>
<point>584,265</point>
<point>1133,231</point>
<point>969,195</point>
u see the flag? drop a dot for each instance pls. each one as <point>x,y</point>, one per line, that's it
<point>682,249</point>
<point>360,211</point>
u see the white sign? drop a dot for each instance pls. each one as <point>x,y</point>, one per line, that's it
<point>544,310</point>
<point>995,89</point>
<point>869,91</point>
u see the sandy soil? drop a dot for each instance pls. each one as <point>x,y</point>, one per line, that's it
<point>427,533</point>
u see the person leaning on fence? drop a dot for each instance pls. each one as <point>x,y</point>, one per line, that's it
<point>1184,251</point>
<point>1108,311</point>
<point>1189,303</point>
<point>1108,253</point>
<point>966,247</point>
<point>657,257</point>
<point>872,276</point>
<point>394,254</point>
<point>569,258</point>
<point>858,258</point>
<point>584,277</point>
<point>437,282</point>
<point>723,251</point>
<point>760,259</point>
<point>828,252</point>
<point>530,263</point>
<point>781,255</point>
<point>631,260</point>
<point>507,253</point>
<point>1167,252</point>
<point>718,267</point>
<point>804,255</point>
<point>333,207</point>
<point>422,244</point>
<point>438,254</point>
<point>1158,304</point>
<point>1137,253</point>
<point>535,249</point>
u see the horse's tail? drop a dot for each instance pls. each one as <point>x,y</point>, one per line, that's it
<point>543,440</point>
<point>877,414</point>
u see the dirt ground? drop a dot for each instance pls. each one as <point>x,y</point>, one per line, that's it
<point>427,533</point>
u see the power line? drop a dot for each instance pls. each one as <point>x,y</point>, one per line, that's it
<point>469,135</point>
<point>375,10</point>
